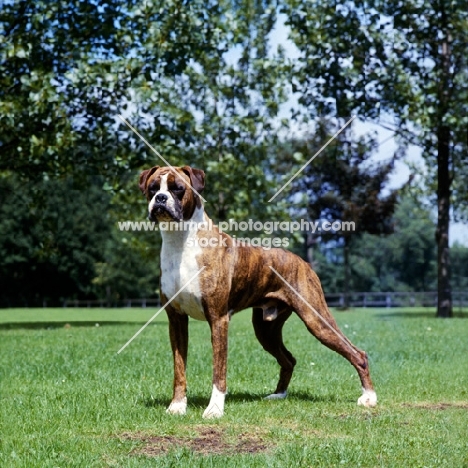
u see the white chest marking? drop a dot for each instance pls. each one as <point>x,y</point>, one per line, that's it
<point>178,265</point>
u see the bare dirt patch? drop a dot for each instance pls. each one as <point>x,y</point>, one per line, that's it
<point>208,441</point>
<point>438,406</point>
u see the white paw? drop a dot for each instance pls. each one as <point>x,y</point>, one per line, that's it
<point>213,412</point>
<point>178,407</point>
<point>368,399</point>
<point>215,408</point>
<point>276,396</point>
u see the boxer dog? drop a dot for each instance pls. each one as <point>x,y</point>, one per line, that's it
<point>219,277</point>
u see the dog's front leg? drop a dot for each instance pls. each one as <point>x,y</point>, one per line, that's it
<point>219,339</point>
<point>178,331</point>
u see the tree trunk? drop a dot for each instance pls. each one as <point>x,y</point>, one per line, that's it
<point>444,298</point>
<point>310,241</point>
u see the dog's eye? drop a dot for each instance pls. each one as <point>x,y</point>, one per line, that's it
<point>152,189</point>
<point>178,191</point>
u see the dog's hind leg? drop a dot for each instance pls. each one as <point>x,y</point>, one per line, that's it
<point>322,325</point>
<point>269,334</point>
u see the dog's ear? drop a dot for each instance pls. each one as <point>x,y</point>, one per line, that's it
<point>197,178</point>
<point>144,177</point>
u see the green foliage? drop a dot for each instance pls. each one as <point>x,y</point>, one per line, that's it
<point>343,184</point>
<point>130,268</point>
<point>213,107</point>
<point>59,240</point>
<point>202,84</point>
<point>398,62</point>
<point>459,267</point>
<point>57,93</point>
<point>404,261</point>
<point>339,69</point>
<point>383,60</point>
<point>196,78</point>
<point>51,235</point>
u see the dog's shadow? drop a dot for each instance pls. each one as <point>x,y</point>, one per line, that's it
<point>243,397</point>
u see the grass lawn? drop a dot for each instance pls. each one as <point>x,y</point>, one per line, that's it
<point>68,399</point>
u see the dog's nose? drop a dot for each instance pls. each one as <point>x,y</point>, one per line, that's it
<point>161,198</point>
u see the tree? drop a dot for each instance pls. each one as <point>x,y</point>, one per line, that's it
<point>58,86</point>
<point>129,268</point>
<point>393,60</point>
<point>51,237</point>
<point>460,267</point>
<point>196,78</point>
<point>343,185</point>
<point>220,98</point>
<point>406,260</point>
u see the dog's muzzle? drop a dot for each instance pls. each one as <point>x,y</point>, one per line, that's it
<point>160,211</point>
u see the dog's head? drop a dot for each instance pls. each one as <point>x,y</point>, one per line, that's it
<point>172,192</point>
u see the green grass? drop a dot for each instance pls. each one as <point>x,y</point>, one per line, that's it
<point>68,399</point>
